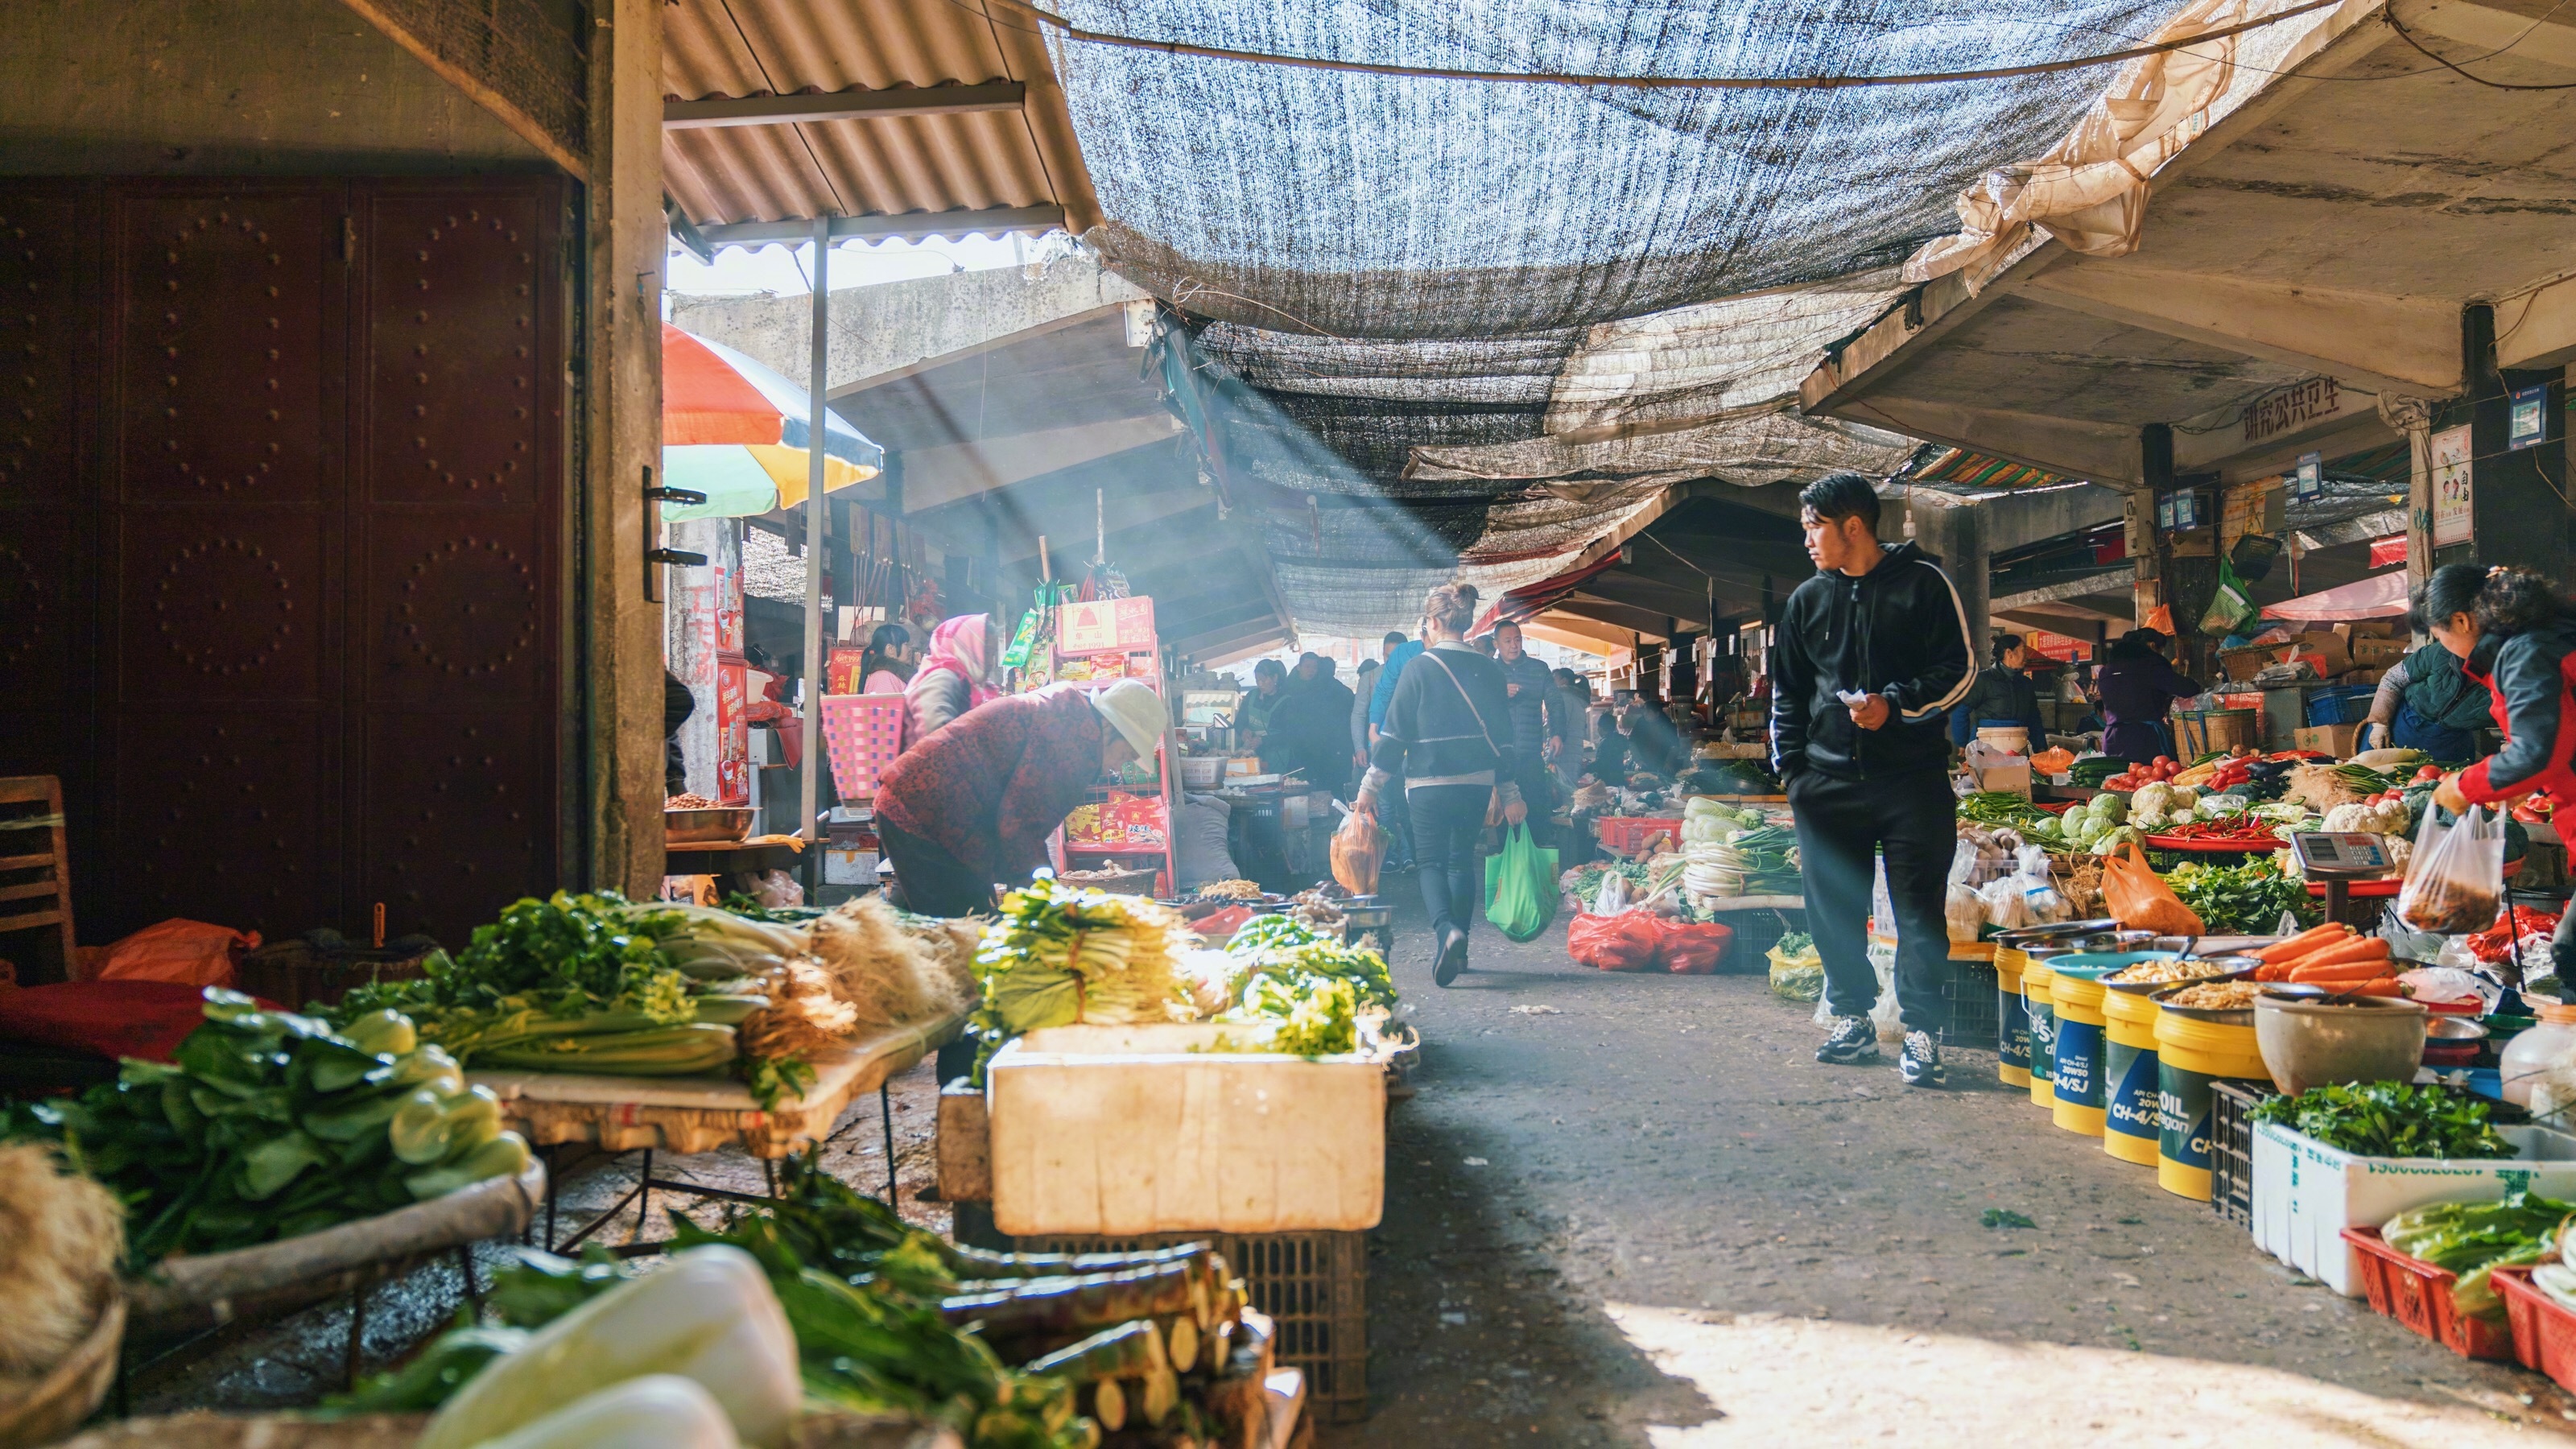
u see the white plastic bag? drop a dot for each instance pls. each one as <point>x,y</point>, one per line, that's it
<point>1964,909</point>
<point>2456,883</point>
<point>1612,897</point>
<point>2042,903</point>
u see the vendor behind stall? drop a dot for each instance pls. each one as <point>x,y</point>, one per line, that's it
<point>971,806</point>
<point>2425,702</point>
<point>2004,697</point>
<point>2137,685</point>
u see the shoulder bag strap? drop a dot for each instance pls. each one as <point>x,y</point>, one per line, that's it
<point>1470,699</point>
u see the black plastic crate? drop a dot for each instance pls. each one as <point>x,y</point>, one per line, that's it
<point>1314,1287</point>
<point>1756,932</point>
<point>1969,1005</point>
<point>2231,1146</point>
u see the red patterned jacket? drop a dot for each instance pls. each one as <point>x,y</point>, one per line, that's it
<point>990,786</point>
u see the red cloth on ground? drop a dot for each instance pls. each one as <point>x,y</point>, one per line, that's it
<point>146,1019</point>
<point>992,785</point>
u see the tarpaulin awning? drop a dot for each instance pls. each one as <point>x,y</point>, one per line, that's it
<point>1530,599</point>
<point>2381,596</point>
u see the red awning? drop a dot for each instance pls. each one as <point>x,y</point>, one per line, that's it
<point>1530,599</point>
<point>2381,596</point>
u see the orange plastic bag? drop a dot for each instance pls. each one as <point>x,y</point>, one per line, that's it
<point>1694,949</point>
<point>1359,848</point>
<point>190,953</point>
<point>2139,899</point>
<point>1628,941</point>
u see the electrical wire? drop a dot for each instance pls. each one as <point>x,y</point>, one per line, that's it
<point>2408,36</point>
<point>1645,82</point>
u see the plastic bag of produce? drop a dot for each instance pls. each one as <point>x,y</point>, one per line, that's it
<point>1964,908</point>
<point>1694,949</point>
<point>2456,882</point>
<point>1797,975</point>
<point>2139,898</point>
<point>1628,941</point>
<point>1611,896</point>
<point>1359,848</point>
<point>1518,899</point>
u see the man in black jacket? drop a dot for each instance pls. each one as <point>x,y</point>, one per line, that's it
<point>1870,656</point>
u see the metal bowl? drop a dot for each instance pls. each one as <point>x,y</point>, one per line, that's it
<point>700,827</point>
<point>2237,969</point>
<point>2223,1016</point>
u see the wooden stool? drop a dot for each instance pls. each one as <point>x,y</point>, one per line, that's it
<point>36,861</point>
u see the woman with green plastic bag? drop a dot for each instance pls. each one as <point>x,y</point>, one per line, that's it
<point>1520,886</point>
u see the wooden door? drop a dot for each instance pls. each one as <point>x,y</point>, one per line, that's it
<point>285,509</point>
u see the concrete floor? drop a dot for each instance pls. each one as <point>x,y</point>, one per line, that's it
<point>1632,1209</point>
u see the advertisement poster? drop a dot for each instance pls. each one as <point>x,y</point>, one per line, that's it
<point>2451,512</point>
<point>1103,625</point>
<point>733,736</point>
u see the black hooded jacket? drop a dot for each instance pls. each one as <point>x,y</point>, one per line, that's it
<point>1898,631</point>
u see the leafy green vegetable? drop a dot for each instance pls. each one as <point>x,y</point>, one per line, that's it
<point>2246,899</point>
<point>2000,807</point>
<point>2390,1119</point>
<point>2473,1239</point>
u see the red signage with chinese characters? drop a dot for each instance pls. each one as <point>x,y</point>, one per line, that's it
<point>1103,625</point>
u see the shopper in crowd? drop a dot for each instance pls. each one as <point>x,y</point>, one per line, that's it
<point>1361,688</point>
<point>956,675</point>
<point>2004,697</point>
<point>1537,721</point>
<point>1872,653</point>
<point>1653,743</point>
<point>1609,746</point>
<point>971,806</point>
<point>1398,650</point>
<point>1310,728</point>
<point>886,665</point>
<point>677,705</point>
<point>1447,731</point>
<point>1252,712</point>
<point>2426,701</point>
<point>1574,717</point>
<point>2137,684</point>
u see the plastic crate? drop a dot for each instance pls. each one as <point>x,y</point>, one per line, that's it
<point>2231,1147</point>
<point>2340,704</point>
<point>1623,834</point>
<point>1756,932</point>
<point>1970,1003</point>
<point>1314,1286</point>
<point>2544,1332</point>
<point>2417,1294</point>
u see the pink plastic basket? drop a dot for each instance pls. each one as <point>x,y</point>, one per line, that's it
<point>863,733</point>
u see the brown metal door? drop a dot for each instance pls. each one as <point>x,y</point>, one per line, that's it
<point>283,514</point>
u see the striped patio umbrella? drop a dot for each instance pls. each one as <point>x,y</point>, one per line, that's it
<point>736,431</point>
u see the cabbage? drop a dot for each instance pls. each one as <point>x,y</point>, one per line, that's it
<point>2156,799</point>
<point>663,1410</point>
<point>709,1315</point>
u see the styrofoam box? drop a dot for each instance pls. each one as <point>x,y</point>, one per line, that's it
<point>2306,1193</point>
<point>1127,1129</point>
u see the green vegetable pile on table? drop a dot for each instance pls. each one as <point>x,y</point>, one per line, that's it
<point>2390,1119</point>
<point>1062,954</point>
<point>2473,1239</point>
<point>2246,899</point>
<point>2000,807</point>
<point>270,1125</point>
<point>1013,1351</point>
<point>1311,985</point>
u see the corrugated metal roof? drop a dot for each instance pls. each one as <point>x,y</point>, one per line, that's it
<point>907,165</point>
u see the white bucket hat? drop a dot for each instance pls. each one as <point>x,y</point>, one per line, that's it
<point>1132,706</point>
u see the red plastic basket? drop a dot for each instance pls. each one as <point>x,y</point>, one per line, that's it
<point>2417,1294</point>
<point>2544,1332</point>
<point>1622,834</point>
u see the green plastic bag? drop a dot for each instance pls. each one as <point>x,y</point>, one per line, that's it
<point>1520,887</point>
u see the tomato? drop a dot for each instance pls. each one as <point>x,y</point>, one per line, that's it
<point>2429,772</point>
<point>2161,760</point>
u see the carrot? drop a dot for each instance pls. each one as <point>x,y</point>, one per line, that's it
<point>2315,939</point>
<point>2377,986</point>
<point>2346,971</point>
<point>2368,948</point>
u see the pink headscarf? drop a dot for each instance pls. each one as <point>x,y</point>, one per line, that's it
<point>958,644</point>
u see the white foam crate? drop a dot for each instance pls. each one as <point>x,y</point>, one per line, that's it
<point>2306,1193</point>
<point>1145,1129</point>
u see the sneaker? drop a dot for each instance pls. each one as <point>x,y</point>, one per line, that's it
<point>1921,1064</point>
<point>1855,1041</point>
<point>1452,958</point>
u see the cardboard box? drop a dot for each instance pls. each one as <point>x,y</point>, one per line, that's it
<point>2241,665</point>
<point>2376,653</point>
<point>2306,1193</point>
<point>2334,651</point>
<point>2338,740</point>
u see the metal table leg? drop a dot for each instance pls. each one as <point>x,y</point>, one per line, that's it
<point>885,1106</point>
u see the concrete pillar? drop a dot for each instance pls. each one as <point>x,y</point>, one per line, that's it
<point>2146,557</point>
<point>1953,531</point>
<point>2518,504</point>
<point>620,429</point>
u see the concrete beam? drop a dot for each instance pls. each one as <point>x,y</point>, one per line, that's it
<point>2371,342</point>
<point>2241,443</point>
<point>909,225</point>
<point>1606,636</point>
<point>2492,28</point>
<point>850,105</point>
<point>2540,327</point>
<point>1223,636</point>
<point>1644,623</point>
<point>933,477</point>
<point>2104,453</point>
<point>1546,631</point>
<point>1260,644</point>
<point>2115,577</point>
<point>1890,345</point>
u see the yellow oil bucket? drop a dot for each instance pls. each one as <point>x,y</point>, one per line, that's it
<point>2132,1117</point>
<point>2075,1057</point>
<point>2193,1048</point>
<point>2012,1018</point>
<point>2041,1005</point>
